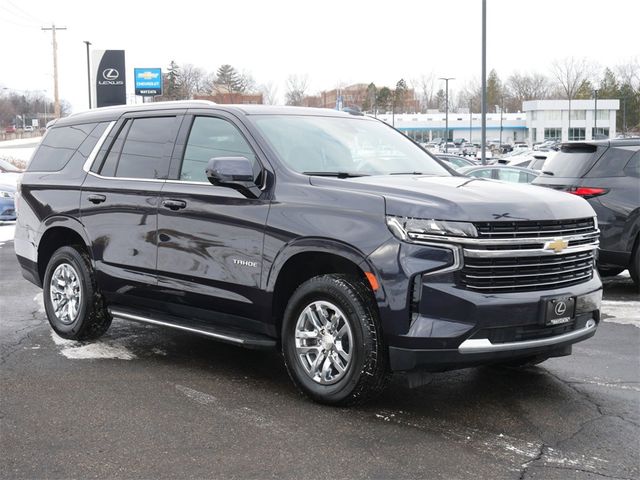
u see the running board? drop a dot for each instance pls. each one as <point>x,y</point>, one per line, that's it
<point>227,335</point>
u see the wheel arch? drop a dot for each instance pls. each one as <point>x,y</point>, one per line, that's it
<point>307,258</point>
<point>57,232</point>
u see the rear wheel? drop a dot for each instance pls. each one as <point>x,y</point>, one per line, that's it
<point>332,341</point>
<point>634,268</point>
<point>73,303</point>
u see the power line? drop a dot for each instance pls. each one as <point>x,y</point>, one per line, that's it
<point>29,16</point>
<point>17,21</point>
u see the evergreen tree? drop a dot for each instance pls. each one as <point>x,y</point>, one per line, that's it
<point>384,99</point>
<point>399,95</point>
<point>585,91</point>
<point>494,90</point>
<point>229,79</point>
<point>173,79</point>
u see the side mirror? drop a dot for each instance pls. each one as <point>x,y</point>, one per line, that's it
<point>233,172</point>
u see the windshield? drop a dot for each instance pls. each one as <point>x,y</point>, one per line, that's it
<point>331,145</point>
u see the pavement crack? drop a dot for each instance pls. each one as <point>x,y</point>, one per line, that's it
<point>525,466</point>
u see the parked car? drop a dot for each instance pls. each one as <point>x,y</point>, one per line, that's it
<point>6,167</point>
<point>534,162</point>
<point>501,172</point>
<point>607,174</point>
<point>469,149</point>
<point>10,129</point>
<point>449,147</point>
<point>331,237</point>
<point>28,128</point>
<point>7,205</point>
<point>455,161</point>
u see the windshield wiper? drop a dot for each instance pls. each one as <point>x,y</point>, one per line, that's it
<point>406,173</point>
<point>336,174</point>
<point>548,173</point>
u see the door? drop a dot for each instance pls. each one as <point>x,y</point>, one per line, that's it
<point>210,238</point>
<point>119,205</point>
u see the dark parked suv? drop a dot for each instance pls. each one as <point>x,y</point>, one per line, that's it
<point>332,237</point>
<point>607,174</point>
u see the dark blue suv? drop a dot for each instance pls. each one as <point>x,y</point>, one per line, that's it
<point>331,237</point>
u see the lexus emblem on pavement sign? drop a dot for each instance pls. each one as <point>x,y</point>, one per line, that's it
<point>110,74</point>
<point>560,308</point>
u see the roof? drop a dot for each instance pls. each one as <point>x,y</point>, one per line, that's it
<point>111,113</point>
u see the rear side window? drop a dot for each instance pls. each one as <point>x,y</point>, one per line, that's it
<point>573,160</point>
<point>58,146</point>
<point>612,163</point>
<point>142,149</point>
<point>633,167</point>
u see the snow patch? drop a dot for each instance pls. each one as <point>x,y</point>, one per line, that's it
<point>7,232</point>
<point>622,312</point>
<point>90,351</point>
<point>39,302</point>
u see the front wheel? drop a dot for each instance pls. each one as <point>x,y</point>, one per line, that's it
<point>332,341</point>
<point>73,303</point>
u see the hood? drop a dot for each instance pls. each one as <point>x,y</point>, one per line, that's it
<point>463,198</point>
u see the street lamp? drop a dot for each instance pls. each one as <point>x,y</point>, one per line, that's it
<point>446,110</point>
<point>595,115</point>
<point>88,72</point>
<point>501,111</point>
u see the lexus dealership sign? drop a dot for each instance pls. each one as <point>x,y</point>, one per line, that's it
<point>109,78</point>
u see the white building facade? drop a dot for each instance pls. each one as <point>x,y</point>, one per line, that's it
<point>424,127</point>
<point>580,120</point>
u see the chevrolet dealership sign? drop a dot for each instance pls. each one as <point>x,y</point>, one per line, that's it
<point>148,81</point>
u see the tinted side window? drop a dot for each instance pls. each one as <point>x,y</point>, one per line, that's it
<point>612,163</point>
<point>212,137</point>
<point>110,163</point>
<point>58,146</point>
<point>506,175</point>
<point>486,173</point>
<point>147,149</point>
<point>633,167</point>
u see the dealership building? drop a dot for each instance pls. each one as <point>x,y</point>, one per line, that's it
<point>540,120</point>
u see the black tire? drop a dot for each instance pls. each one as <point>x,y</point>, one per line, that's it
<point>634,267</point>
<point>609,271</point>
<point>367,371</point>
<point>92,319</point>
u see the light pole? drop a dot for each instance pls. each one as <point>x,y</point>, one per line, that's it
<point>470,120</point>
<point>483,142</point>
<point>88,72</point>
<point>446,110</point>
<point>501,111</point>
<point>595,115</point>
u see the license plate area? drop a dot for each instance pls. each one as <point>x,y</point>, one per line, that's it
<point>559,310</point>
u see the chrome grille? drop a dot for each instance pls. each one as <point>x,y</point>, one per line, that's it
<point>516,256</point>
<point>527,273</point>
<point>535,229</point>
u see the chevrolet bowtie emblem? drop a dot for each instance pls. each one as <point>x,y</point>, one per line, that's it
<point>558,245</point>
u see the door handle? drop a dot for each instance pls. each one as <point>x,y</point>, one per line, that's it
<point>174,204</point>
<point>96,198</point>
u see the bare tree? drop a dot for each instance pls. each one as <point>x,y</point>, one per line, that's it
<point>296,89</point>
<point>570,73</point>
<point>629,73</point>
<point>269,93</point>
<point>522,87</point>
<point>193,80</point>
<point>424,88</point>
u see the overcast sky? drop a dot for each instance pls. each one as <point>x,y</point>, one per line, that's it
<point>330,41</point>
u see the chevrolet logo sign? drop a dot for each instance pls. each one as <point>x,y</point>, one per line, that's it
<point>147,75</point>
<point>558,245</point>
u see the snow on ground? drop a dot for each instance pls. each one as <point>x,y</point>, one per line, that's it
<point>6,231</point>
<point>19,149</point>
<point>625,312</point>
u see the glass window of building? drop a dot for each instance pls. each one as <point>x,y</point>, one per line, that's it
<point>576,134</point>
<point>603,114</point>
<point>578,114</point>
<point>600,133</point>
<point>552,133</point>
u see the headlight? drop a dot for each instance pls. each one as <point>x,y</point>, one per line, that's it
<point>408,229</point>
<point>6,194</point>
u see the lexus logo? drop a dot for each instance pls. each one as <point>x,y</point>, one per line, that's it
<point>110,74</point>
<point>560,308</point>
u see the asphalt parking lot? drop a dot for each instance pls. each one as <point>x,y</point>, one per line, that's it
<point>146,402</point>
